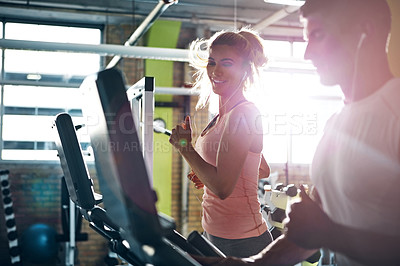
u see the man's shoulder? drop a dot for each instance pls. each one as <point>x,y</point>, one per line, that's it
<point>392,85</point>
<point>391,95</point>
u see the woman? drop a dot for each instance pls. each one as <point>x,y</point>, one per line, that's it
<point>227,156</point>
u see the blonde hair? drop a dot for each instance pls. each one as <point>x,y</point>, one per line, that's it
<point>245,40</point>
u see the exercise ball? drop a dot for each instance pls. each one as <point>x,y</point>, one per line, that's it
<point>39,244</point>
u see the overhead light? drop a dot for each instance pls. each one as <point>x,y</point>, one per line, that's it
<point>286,2</point>
<point>33,77</point>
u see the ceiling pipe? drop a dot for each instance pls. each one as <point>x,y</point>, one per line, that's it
<point>181,55</point>
<point>284,12</point>
<point>155,53</point>
<point>143,27</point>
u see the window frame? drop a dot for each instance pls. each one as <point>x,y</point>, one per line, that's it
<point>52,81</point>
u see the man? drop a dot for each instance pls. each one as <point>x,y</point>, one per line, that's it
<point>354,208</point>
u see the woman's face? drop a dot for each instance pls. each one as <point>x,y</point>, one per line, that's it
<point>225,69</point>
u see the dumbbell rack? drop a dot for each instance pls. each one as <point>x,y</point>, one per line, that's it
<point>11,227</point>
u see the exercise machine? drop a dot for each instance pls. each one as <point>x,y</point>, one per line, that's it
<point>276,202</point>
<point>130,221</point>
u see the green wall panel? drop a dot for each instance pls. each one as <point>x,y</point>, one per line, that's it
<point>162,34</point>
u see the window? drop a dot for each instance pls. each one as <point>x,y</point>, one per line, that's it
<point>293,103</point>
<point>37,85</point>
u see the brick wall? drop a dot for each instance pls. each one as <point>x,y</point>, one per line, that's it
<point>131,67</point>
<point>36,194</point>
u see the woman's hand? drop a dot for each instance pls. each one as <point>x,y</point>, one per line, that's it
<point>193,177</point>
<point>181,136</point>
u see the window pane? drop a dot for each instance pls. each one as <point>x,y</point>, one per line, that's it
<point>34,128</point>
<point>277,48</point>
<point>295,108</point>
<point>29,155</point>
<point>308,85</point>
<point>49,33</point>
<point>27,128</point>
<point>275,148</point>
<point>41,62</point>
<point>45,97</point>
<point>304,139</point>
<point>299,49</point>
<point>273,102</point>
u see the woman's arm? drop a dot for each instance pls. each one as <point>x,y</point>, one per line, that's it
<point>236,140</point>
<point>264,170</point>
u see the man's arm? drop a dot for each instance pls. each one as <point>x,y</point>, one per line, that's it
<point>309,227</point>
<point>280,252</point>
<point>366,247</point>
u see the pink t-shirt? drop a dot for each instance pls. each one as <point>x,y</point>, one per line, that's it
<point>239,215</point>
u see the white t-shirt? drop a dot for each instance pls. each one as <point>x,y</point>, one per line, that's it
<point>356,167</point>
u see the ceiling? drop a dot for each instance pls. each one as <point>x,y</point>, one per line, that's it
<point>273,21</point>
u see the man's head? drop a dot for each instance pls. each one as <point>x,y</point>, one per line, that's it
<point>347,11</point>
<point>337,31</point>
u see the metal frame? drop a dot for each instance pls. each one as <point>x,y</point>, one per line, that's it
<point>141,97</point>
<point>146,24</point>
